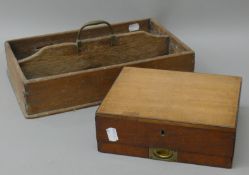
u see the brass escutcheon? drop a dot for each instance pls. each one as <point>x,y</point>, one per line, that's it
<point>162,154</point>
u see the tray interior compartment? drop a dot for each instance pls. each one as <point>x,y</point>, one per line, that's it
<point>94,53</point>
<point>56,53</point>
<point>25,47</point>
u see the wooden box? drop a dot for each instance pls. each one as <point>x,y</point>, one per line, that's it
<point>75,69</point>
<point>171,116</point>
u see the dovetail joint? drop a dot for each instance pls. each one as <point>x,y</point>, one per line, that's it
<point>25,95</point>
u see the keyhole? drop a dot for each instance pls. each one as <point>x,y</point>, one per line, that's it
<point>162,132</point>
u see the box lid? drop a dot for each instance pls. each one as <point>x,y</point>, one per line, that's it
<point>179,97</point>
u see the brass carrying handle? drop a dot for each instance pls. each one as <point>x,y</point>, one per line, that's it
<point>163,153</point>
<point>92,23</point>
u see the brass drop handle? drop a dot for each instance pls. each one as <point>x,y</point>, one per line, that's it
<point>163,153</point>
<point>92,23</point>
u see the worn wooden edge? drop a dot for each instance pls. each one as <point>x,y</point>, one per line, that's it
<point>158,121</point>
<point>238,102</point>
<point>237,118</point>
<point>183,157</point>
<point>57,46</point>
<point>155,22</point>
<point>109,67</point>
<point>19,101</point>
<point>11,56</point>
<point>56,111</point>
<point>16,77</point>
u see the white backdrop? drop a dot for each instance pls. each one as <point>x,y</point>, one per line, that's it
<point>218,31</point>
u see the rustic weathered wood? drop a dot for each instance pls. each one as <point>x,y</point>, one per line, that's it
<point>96,52</point>
<point>91,85</point>
<point>196,112</point>
<point>25,47</point>
<point>16,77</point>
<point>44,95</point>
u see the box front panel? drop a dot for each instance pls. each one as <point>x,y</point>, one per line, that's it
<point>147,134</point>
<point>183,157</point>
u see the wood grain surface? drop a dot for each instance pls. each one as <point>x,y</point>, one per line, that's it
<point>181,138</point>
<point>193,114</point>
<point>183,157</point>
<point>174,96</point>
<point>96,52</point>
<point>68,86</point>
<point>25,47</point>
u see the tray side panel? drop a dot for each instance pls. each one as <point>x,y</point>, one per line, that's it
<point>176,45</point>
<point>47,95</point>
<point>178,62</point>
<point>69,91</point>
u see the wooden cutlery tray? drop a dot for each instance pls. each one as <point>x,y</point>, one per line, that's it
<point>75,69</point>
